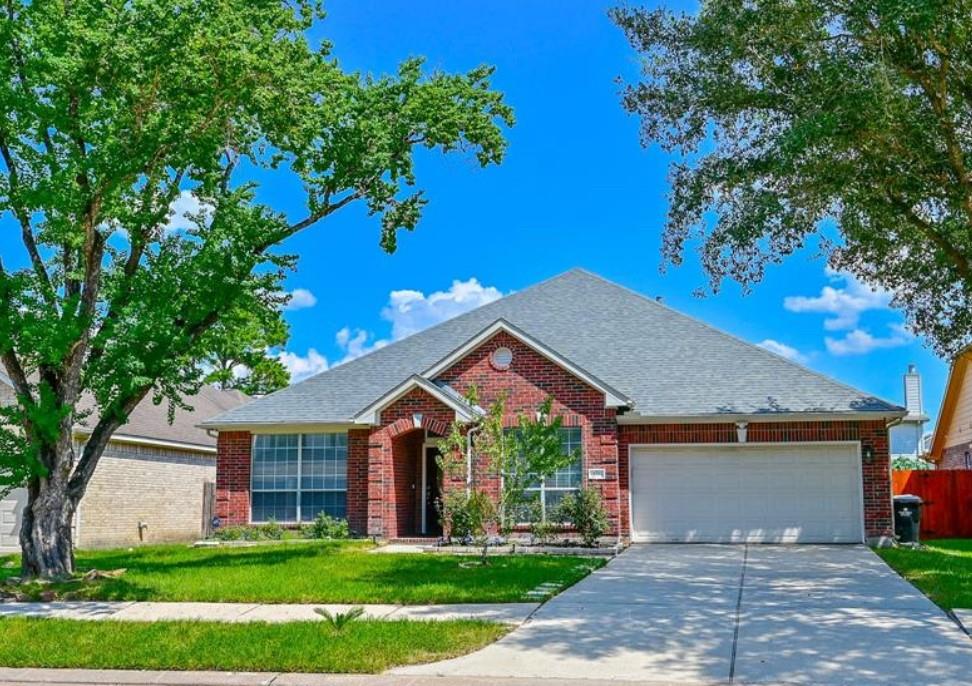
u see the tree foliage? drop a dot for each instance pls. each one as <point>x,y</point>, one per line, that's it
<point>240,355</point>
<point>112,110</point>
<point>786,114</point>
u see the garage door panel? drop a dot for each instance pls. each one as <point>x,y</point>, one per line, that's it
<point>757,494</point>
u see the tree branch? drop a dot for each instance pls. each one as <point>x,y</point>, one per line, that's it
<point>23,219</point>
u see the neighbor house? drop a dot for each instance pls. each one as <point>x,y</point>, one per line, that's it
<point>688,433</point>
<point>908,436</point>
<point>951,446</point>
<point>150,483</point>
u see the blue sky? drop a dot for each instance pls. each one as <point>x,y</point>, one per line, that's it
<point>576,189</point>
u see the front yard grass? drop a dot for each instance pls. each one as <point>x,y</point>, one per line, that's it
<point>325,572</point>
<point>942,570</point>
<point>363,646</point>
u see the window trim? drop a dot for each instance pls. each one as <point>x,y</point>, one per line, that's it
<point>299,491</point>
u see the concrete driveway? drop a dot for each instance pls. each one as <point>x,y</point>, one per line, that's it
<point>734,614</point>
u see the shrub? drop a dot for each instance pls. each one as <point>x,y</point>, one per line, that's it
<point>271,531</point>
<point>901,463</point>
<point>325,526</point>
<point>229,533</point>
<point>468,517</point>
<point>585,511</point>
<point>541,529</point>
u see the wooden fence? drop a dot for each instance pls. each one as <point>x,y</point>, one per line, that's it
<point>947,512</point>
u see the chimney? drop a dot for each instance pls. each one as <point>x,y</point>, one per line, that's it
<point>912,392</point>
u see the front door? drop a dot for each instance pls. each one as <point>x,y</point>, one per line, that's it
<point>432,481</point>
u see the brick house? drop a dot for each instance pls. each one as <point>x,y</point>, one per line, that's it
<point>149,484</point>
<point>688,433</point>
<point>951,446</point>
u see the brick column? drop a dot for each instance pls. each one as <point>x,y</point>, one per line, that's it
<point>233,477</point>
<point>358,480</point>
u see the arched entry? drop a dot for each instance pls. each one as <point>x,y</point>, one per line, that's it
<point>415,487</point>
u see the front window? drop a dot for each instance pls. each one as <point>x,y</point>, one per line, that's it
<point>549,491</point>
<point>296,476</point>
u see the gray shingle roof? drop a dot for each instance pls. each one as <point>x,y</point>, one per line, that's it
<point>151,421</point>
<point>668,363</point>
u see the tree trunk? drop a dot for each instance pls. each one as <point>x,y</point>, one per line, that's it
<point>46,541</point>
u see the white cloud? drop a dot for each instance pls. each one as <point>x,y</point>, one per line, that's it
<point>302,367</point>
<point>783,350</point>
<point>300,299</point>
<point>860,342</point>
<point>412,311</point>
<point>182,208</point>
<point>356,343</point>
<point>845,303</point>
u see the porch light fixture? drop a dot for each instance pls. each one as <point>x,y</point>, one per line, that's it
<point>417,420</point>
<point>741,431</point>
<point>867,452</point>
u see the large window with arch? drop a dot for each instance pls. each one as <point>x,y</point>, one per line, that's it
<point>296,476</point>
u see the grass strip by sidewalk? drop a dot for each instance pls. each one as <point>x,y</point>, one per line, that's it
<point>364,646</point>
<point>342,572</point>
<point>942,570</point>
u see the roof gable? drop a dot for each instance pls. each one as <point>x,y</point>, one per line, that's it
<point>612,396</point>
<point>372,413</point>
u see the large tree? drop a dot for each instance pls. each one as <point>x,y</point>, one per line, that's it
<point>111,110</point>
<point>788,113</point>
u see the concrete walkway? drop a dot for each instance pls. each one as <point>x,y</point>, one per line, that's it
<point>99,677</point>
<point>508,613</point>
<point>701,614</point>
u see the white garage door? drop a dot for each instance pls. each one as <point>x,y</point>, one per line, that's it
<point>10,508</point>
<point>746,494</point>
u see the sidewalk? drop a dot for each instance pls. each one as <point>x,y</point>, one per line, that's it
<point>507,613</point>
<point>98,677</point>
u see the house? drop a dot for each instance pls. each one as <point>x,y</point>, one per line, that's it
<point>149,485</point>
<point>688,433</point>
<point>908,436</point>
<point>951,446</point>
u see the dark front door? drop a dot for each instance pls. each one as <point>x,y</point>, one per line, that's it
<point>433,492</point>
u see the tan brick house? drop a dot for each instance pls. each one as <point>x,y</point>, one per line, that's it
<point>688,433</point>
<point>148,487</point>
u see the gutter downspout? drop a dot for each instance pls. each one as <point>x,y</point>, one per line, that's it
<point>469,460</point>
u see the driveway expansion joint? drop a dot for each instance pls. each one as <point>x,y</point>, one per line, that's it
<point>735,626</point>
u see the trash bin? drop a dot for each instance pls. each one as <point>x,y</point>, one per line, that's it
<point>907,517</point>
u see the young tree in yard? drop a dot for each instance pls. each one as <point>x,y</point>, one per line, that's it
<point>518,456</point>
<point>239,356</point>
<point>110,112</point>
<point>787,114</point>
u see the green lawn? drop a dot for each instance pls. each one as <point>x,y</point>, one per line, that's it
<point>942,570</point>
<point>364,646</point>
<point>313,573</point>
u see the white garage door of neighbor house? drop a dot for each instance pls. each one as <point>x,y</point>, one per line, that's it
<point>746,494</point>
<point>10,509</point>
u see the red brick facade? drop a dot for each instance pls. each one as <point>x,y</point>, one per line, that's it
<point>531,379</point>
<point>384,462</point>
<point>233,476</point>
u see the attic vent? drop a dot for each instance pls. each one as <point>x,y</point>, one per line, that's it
<point>501,358</point>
